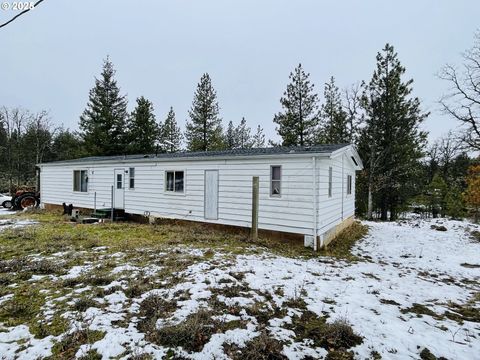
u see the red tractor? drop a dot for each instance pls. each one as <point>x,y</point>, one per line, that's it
<point>23,198</point>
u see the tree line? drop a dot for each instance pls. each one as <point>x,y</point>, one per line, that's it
<point>380,117</point>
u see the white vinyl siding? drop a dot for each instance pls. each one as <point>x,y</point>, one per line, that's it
<point>334,209</point>
<point>290,213</point>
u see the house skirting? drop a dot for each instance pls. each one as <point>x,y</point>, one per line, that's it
<point>330,235</point>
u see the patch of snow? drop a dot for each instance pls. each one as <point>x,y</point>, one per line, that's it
<point>6,298</point>
<point>76,271</point>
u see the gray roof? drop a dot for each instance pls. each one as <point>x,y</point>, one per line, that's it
<point>317,149</point>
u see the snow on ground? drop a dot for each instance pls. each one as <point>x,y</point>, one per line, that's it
<point>403,264</point>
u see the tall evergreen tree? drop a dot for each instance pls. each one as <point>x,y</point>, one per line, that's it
<point>243,135</point>
<point>102,123</point>
<point>391,142</point>
<point>171,134</point>
<point>143,129</point>
<point>204,130</point>
<point>334,121</point>
<point>298,121</point>
<point>231,141</point>
<point>258,139</point>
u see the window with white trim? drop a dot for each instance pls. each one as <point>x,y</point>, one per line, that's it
<point>80,180</point>
<point>349,184</point>
<point>131,178</point>
<point>330,181</point>
<point>119,181</point>
<point>174,181</point>
<point>275,180</point>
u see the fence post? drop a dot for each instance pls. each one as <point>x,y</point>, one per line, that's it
<point>255,191</point>
<point>112,205</point>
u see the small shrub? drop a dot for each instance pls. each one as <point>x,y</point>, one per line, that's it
<point>420,310</point>
<point>45,267</point>
<point>151,309</point>
<point>192,334</point>
<point>84,303</point>
<point>262,347</point>
<point>337,335</point>
<point>475,235</point>
<point>70,343</point>
<point>91,355</point>
<point>97,279</point>
<point>425,354</point>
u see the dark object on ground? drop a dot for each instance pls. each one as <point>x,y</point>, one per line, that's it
<point>67,209</point>
<point>438,228</point>
<point>426,354</point>
<point>90,220</point>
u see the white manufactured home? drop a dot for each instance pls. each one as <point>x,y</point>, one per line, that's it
<point>302,190</point>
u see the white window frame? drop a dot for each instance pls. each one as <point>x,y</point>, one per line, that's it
<point>272,180</point>
<point>173,192</point>
<point>80,181</point>
<point>330,181</point>
<point>349,184</point>
<point>130,178</point>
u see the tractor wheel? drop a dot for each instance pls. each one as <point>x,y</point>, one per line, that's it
<point>26,201</point>
<point>7,204</point>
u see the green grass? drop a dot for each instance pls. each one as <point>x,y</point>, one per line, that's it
<point>56,233</point>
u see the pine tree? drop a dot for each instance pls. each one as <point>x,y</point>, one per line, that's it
<point>258,139</point>
<point>334,124</point>
<point>472,195</point>
<point>436,193</point>
<point>103,122</point>
<point>391,142</point>
<point>455,208</point>
<point>243,135</point>
<point>204,130</point>
<point>67,145</point>
<point>171,134</point>
<point>231,141</point>
<point>298,122</point>
<point>143,130</point>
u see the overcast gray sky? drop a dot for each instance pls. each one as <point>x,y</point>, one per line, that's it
<point>49,57</point>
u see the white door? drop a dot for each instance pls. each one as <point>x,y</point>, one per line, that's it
<point>119,189</point>
<point>211,194</point>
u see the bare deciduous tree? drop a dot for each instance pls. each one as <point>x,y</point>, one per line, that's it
<point>353,108</point>
<point>462,102</point>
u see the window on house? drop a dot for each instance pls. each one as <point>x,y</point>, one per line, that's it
<point>275,180</point>
<point>80,179</point>
<point>131,173</point>
<point>349,184</point>
<point>119,181</point>
<point>174,181</point>
<point>330,179</point>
